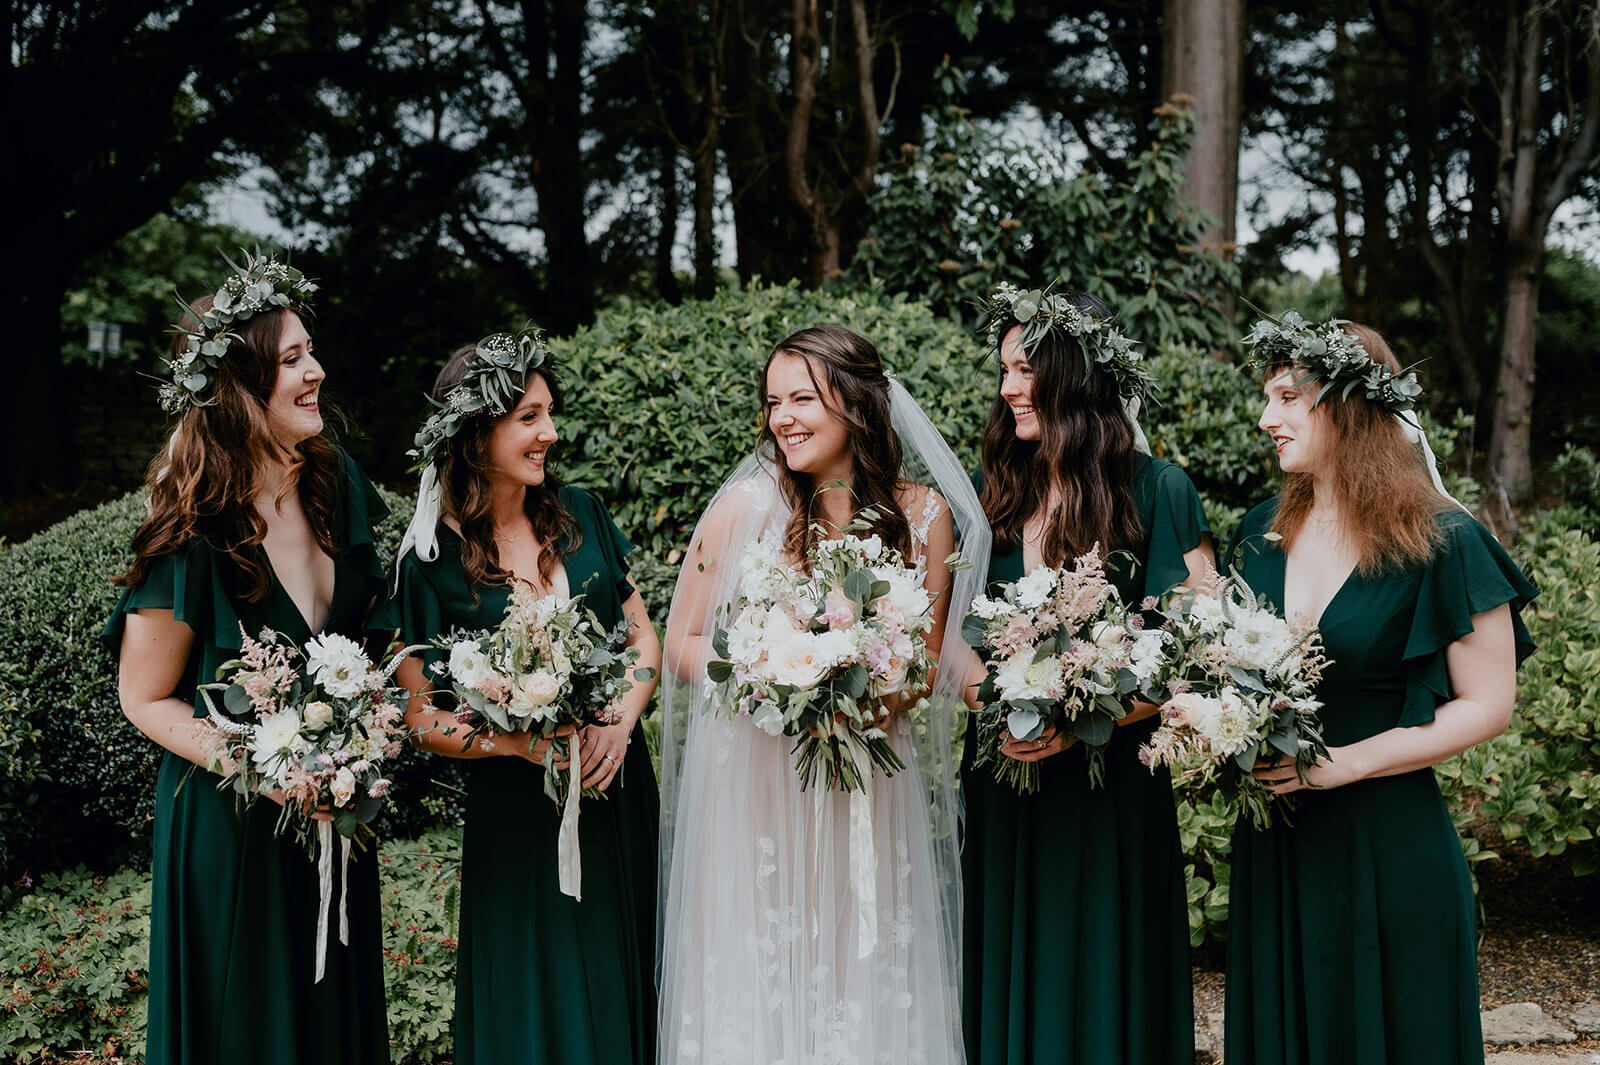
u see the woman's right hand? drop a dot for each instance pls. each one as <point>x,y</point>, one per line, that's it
<point>518,746</point>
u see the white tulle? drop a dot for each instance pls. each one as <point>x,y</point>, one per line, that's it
<point>771,951</point>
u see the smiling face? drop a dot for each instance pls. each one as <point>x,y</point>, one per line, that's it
<point>1016,385</point>
<point>1297,429</point>
<point>800,415</point>
<point>292,408</point>
<point>521,438</point>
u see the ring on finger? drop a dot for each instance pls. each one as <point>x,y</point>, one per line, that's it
<point>611,758</point>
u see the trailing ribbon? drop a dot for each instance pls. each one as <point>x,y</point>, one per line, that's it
<point>325,892</point>
<point>864,867</point>
<point>568,861</point>
<point>422,534</point>
<point>1413,430</point>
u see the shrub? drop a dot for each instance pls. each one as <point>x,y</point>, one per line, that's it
<point>62,723</point>
<point>74,959</point>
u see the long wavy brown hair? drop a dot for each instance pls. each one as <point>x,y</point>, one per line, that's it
<point>1388,507</point>
<point>464,486</point>
<point>1084,453</point>
<point>857,393</point>
<point>204,483</point>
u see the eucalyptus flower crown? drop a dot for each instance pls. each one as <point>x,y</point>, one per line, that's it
<point>495,377</point>
<point>262,283</point>
<point>1325,353</point>
<point>1044,311</point>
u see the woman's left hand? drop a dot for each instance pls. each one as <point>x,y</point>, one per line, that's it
<point>603,747</point>
<point>1280,776</point>
<point>1051,741</point>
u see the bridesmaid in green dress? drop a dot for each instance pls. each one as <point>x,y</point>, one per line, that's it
<point>256,520</point>
<point>1076,930</point>
<point>540,976</point>
<point>1351,932</point>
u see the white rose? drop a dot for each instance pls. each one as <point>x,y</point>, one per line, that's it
<point>801,659</point>
<point>871,547</point>
<point>906,593</point>
<point>1024,677</point>
<point>1034,590</point>
<point>1185,708</point>
<point>343,785</point>
<point>1108,637</point>
<point>318,715</point>
<point>338,664</point>
<point>532,694</point>
<point>469,666</point>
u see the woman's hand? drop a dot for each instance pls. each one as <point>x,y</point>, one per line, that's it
<point>1050,741</point>
<point>603,748</point>
<point>322,813</point>
<point>1280,774</point>
<point>518,746</point>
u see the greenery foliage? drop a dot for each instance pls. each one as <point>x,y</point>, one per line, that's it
<point>74,950</point>
<point>951,222</point>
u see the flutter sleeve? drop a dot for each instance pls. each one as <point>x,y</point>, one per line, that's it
<point>1469,574</point>
<point>1178,525</point>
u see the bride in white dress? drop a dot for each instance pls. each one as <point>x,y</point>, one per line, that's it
<point>816,927</point>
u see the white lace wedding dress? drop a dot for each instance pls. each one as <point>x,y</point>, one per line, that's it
<point>772,954</point>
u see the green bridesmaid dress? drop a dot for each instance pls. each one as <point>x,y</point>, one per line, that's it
<point>1076,934</point>
<point>542,977</point>
<point>233,907</point>
<point>1351,934</point>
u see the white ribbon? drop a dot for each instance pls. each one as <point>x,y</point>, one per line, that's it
<point>325,892</point>
<point>568,861</point>
<point>1130,407</point>
<point>423,532</point>
<point>864,867</point>
<point>1413,430</point>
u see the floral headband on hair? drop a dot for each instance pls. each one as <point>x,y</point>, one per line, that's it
<point>1326,353</point>
<point>1044,311</point>
<point>261,284</point>
<point>495,378</point>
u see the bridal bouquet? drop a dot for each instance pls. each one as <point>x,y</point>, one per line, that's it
<point>320,725</point>
<point>1240,688</point>
<point>1062,651</point>
<point>549,667</point>
<point>813,654</point>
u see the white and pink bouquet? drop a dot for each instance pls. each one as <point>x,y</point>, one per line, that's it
<point>814,653</point>
<point>1240,688</point>
<point>1062,651</point>
<point>550,663</point>
<point>320,726</point>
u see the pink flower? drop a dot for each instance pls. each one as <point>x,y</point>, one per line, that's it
<point>839,612</point>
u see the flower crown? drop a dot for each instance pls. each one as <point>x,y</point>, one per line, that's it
<point>1325,352</point>
<point>262,283</point>
<point>495,378</point>
<point>1043,311</point>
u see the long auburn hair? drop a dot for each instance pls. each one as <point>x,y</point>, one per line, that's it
<point>849,364</point>
<point>1084,452</point>
<point>204,483</point>
<point>1388,507</point>
<point>464,486</point>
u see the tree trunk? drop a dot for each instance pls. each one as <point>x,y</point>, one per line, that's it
<point>705,222</point>
<point>561,185</point>
<point>1203,56</point>
<point>667,286</point>
<point>1510,454</point>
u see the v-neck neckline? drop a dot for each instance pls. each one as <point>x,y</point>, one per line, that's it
<point>1283,589</point>
<point>283,590</point>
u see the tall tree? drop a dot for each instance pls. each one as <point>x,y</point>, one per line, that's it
<point>1203,58</point>
<point>119,107</point>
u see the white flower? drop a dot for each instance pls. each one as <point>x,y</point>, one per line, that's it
<point>532,695</point>
<point>469,665</point>
<point>989,609</point>
<point>1034,590</point>
<point>273,734</point>
<point>1257,639</point>
<point>803,659</point>
<point>1206,612</point>
<point>1108,638</point>
<point>1023,677</point>
<point>1186,708</point>
<point>338,664</point>
<point>906,593</point>
<point>871,547</point>
<point>318,715</point>
<point>343,785</point>
<point>1225,723</point>
<point>744,637</point>
<point>1147,655</point>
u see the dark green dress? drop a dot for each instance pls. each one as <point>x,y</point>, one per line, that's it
<point>233,908</point>
<point>540,976</point>
<point>1076,933</point>
<point>1350,935</point>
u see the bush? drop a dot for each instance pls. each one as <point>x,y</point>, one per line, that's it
<point>61,720</point>
<point>74,958</point>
